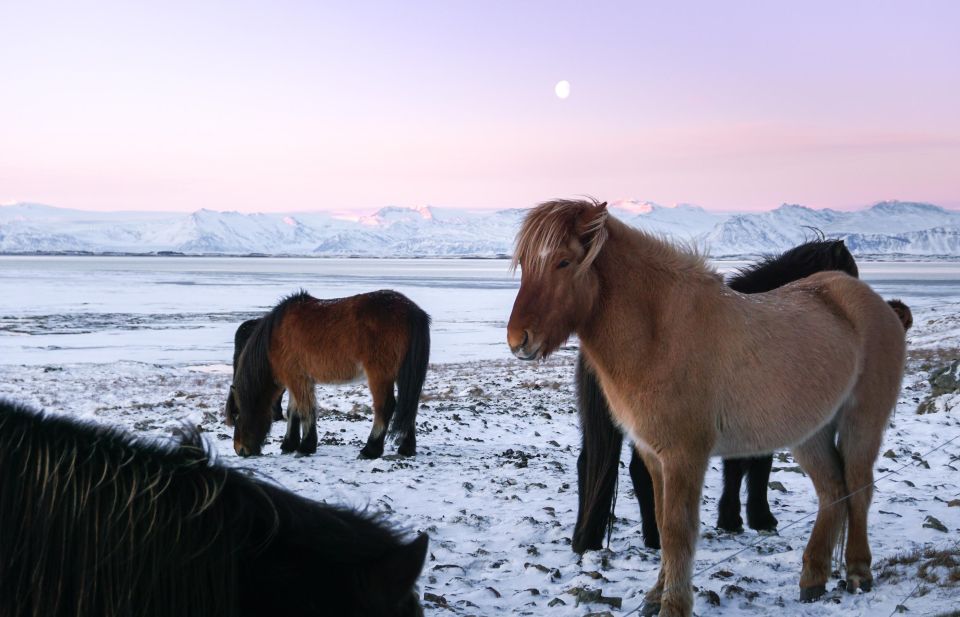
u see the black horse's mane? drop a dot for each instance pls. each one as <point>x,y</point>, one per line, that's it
<point>94,521</point>
<point>799,262</point>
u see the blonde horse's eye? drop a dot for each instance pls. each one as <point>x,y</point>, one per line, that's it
<point>563,264</point>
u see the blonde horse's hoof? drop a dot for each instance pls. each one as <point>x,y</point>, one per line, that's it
<point>649,609</point>
<point>812,594</point>
<point>855,582</point>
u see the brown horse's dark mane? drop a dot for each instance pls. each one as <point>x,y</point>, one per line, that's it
<point>253,376</point>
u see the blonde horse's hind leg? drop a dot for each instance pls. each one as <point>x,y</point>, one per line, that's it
<point>818,456</point>
<point>859,442</point>
<point>858,470</point>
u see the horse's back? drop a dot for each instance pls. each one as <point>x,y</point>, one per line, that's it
<point>881,335</point>
<point>335,340</point>
<point>868,313</point>
<point>800,349</point>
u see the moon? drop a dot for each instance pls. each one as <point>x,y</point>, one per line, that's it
<point>562,89</point>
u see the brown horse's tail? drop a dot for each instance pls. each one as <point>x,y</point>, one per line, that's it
<point>903,312</point>
<point>413,372</point>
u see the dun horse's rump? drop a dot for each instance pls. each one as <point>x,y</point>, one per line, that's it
<point>96,523</point>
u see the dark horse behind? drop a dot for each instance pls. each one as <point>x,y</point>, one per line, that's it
<point>97,523</point>
<point>598,464</point>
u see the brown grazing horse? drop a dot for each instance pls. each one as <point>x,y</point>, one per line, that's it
<point>304,341</point>
<point>692,369</point>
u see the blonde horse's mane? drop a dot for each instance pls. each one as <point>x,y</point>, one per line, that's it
<point>548,225</point>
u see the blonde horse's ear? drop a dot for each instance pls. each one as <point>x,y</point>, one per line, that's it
<point>591,227</point>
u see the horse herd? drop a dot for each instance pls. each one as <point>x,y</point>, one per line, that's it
<point>792,352</point>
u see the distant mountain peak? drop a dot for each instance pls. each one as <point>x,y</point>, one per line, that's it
<point>389,215</point>
<point>635,206</point>
<point>896,205</point>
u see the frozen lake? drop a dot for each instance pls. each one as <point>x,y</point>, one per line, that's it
<point>176,310</point>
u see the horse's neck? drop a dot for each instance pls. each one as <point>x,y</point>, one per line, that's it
<point>646,285</point>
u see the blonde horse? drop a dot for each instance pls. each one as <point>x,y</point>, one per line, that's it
<point>692,369</point>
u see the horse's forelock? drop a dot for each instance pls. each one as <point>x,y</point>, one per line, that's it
<point>549,225</point>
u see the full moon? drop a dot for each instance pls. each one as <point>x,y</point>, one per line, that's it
<point>562,89</point>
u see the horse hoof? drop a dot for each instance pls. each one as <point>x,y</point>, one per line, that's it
<point>369,453</point>
<point>407,451</point>
<point>812,594</point>
<point>287,448</point>
<point>652,541</point>
<point>650,608</point>
<point>730,524</point>
<point>854,582</point>
<point>762,522</point>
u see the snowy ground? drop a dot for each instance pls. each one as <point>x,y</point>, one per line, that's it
<point>494,483</point>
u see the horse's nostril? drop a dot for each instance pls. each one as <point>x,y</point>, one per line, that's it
<point>526,337</point>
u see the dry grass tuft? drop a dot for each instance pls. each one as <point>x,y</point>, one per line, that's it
<point>939,567</point>
<point>929,359</point>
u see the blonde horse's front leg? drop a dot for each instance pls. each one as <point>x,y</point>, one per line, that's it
<point>652,597</point>
<point>682,477</point>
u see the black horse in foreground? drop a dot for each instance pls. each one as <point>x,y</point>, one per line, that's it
<point>598,464</point>
<point>95,522</point>
<point>239,342</point>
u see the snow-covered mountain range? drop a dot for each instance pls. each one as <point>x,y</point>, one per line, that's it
<point>886,228</point>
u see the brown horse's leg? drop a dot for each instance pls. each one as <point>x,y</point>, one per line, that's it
<point>291,440</point>
<point>682,474</point>
<point>820,459</point>
<point>383,404</point>
<point>304,400</point>
<point>277,409</point>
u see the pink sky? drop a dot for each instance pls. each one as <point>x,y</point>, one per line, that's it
<point>296,106</point>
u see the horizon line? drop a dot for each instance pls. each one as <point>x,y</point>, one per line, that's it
<point>362,213</point>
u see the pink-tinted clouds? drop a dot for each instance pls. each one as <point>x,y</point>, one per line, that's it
<point>300,105</point>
